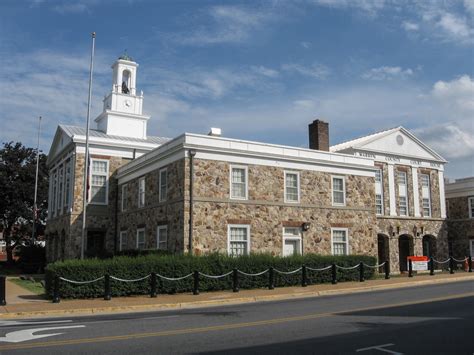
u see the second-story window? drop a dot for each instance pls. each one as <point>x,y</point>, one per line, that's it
<point>426,195</point>
<point>378,192</point>
<point>402,193</point>
<point>471,207</point>
<point>99,181</point>
<point>238,185</point>
<point>141,192</point>
<point>67,185</point>
<point>292,188</point>
<point>124,197</point>
<point>163,184</point>
<point>338,191</point>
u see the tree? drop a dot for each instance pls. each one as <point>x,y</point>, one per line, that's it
<point>17,188</point>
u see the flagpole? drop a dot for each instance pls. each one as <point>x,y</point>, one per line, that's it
<point>86,155</point>
<point>35,208</point>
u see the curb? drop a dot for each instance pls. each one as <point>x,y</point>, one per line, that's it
<point>223,302</point>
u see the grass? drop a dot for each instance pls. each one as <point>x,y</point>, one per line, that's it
<point>32,286</point>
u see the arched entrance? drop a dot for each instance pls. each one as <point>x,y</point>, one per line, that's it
<point>429,245</point>
<point>405,249</point>
<point>383,248</point>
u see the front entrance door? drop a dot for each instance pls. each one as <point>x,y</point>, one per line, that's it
<point>291,241</point>
<point>404,250</point>
<point>95,243</point>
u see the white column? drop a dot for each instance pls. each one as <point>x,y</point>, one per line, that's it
<point>442,198</point>
<point>416,195</point>
<point>391,190</point>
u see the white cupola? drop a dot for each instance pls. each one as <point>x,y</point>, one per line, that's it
<point>123,107</point>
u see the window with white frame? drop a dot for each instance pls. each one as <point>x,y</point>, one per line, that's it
<point>124,197</point>
<point>162,237</point>
<point>238,240</point>
<point>292,186</point>
<point>163,184</point>
<point>55,193</point>
<point>60,189</point>
<point>140,238</point>
<point>238,182</point>
<point>99,181</point>
<point>67,184</point>
<point>291,241</point>
<point>378,192</point>
<point>340,241</point>
<point>426,194</point>
<point>402,193</point>
<point>471,207</point>
<point>338,191</point>
<point>123,240</point>
<point>141,192</point>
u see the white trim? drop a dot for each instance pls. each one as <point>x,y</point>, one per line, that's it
<point>416,195</point>
<point>346,230</point>
<point>286,237</point>
<point>124,197</point>
<point>245,168</point>
<point>160,196</point>
<point>139,204</point>
<point>285,172</point>
<point>247,226</point>
<point>106,182</point>
<point>442,197</point>
<point>121,235</point>
<point>391,190</point>
<point>470,204</point>
<point>158,233</point>
<point>144,237</point>
<point>343,178</point>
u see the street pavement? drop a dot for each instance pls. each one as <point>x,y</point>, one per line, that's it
<point>435,319</point>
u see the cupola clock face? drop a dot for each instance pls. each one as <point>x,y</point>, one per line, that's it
<point>128,103</point>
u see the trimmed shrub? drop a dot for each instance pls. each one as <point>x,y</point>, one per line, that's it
<point>172,266</point>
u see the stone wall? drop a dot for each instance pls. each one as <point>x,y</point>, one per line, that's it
<point>461,227</point>
<point>267,213</point>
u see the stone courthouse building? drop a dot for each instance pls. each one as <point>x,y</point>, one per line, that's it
<point>380,195</point>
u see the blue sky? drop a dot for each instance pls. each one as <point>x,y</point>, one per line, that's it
<point>260,70</point>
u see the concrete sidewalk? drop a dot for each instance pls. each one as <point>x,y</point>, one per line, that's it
<point>45,308</point>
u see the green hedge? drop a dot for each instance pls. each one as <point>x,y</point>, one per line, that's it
<point>179,265</point>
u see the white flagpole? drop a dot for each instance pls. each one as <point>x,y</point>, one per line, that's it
<point>86,155</point>
<point>35,207</point>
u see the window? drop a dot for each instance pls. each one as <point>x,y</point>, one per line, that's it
<point>378,175</point>
<point>67,187</point>
<point>55,190</point>
<point>402,178</point>
<point>471,207</point>
<point>123,240</point>
<point>141,238</point>
<point>162,237</point>
<point>99,181</point>
<point>378,204</point>
<point>163,184</point>
<point>402,205</point>
<point>292,187</point>
<point>338,191</point>
<point>340,242</point>
<point>238,240</point>
<point>291,241</point>
<point>426,195</point>
<point>124,197</point>
<point>141,192</point>
<point>60,189</point>
<point>238,187</point>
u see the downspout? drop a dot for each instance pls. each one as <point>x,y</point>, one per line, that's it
<point>192,154</point>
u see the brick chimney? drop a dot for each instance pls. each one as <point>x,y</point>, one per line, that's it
<point>319,135</point>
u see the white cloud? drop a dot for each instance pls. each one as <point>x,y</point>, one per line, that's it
<point>370,7</point>
<point>271,73</point>
<point>305,45</point>
<point>457,94</point>
<point>71,8</point>
<point>387,73</point>
<point>410,26</point>
<point>316,70</point>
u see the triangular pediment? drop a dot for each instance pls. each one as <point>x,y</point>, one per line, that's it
<point>398,141</point>
<point>60,141</point>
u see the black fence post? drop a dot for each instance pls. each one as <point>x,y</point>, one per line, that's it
<point>196,283</point>
<point>387,270</point>
<point>451,265</point>
<point>107,287</point>
<point>56,298</point>
<point>235,280</point>
<point>271,283</point>
<point>361,272</point>
<point>304,280</point>
<point>410,268</point>
<point>431,266</point>
<point>3,291</point>
<point>153,285</point>
<point>470,263</point>
<point>333,274</point>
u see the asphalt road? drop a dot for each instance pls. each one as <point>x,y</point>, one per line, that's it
<point>436,319</point>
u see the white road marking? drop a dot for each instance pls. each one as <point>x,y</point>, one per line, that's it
<point>7,323</point>
<point>380,348</point>
<point>27,334</point>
